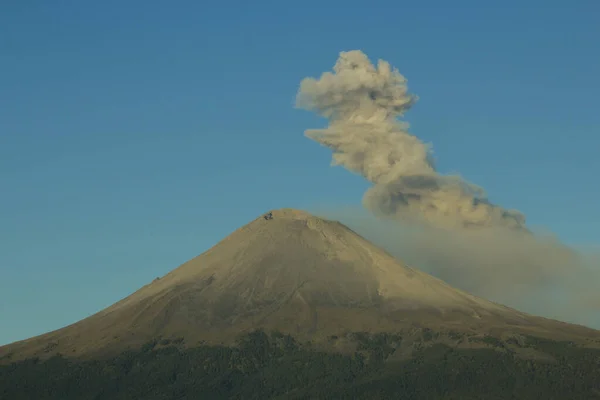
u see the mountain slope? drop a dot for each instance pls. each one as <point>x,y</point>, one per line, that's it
<point>297,274</point>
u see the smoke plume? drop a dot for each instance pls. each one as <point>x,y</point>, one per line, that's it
<point>428,219</point>
<point>363,103</point>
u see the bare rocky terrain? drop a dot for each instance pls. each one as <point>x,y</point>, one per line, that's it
<point>298,274</point>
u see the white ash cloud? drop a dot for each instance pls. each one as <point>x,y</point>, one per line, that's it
<point>363,103</point>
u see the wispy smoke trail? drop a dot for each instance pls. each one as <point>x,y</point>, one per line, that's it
<point>423,215</point>
<point>363,103</point>
<point>531,272</point>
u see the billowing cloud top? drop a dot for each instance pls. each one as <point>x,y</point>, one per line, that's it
<point>363,103</point>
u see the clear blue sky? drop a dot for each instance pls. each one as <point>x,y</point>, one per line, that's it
<point>134,135</point>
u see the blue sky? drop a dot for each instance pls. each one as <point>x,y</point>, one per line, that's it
<point>135,135</point>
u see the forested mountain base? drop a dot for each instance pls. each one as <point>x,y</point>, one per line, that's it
<point>275,366</point>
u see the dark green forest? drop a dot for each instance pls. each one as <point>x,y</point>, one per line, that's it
<point>274,366</point>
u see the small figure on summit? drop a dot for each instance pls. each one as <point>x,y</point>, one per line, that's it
<point>268,216</point>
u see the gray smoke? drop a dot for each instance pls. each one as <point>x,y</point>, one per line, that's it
<point>363,103</point>
<point>534,273</point>
<point>421,216</point>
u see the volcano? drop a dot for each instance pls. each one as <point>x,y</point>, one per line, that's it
<point>295,273</point>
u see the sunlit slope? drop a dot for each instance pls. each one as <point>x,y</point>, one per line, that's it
<point>295,273</point>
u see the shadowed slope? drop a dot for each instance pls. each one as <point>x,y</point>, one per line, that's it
<point>295,273</point>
